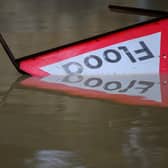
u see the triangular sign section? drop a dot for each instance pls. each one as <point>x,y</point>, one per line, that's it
<point>130,57</point>
<point>135,50</point>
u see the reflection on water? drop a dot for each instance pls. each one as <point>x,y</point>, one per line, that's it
<point>129,89</point>
<point>39,126</point>
<point>53,159</point>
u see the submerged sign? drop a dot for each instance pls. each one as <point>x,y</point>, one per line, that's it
<point>139,49</point>
<point>136,54</point>
<point>129,89</point>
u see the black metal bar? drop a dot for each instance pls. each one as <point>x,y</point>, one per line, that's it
<point>138,11</point>
<point>9,52</point>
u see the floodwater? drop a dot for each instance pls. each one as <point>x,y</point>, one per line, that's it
<point>50,128</point>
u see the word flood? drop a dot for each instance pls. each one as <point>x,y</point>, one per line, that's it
<point>110,55</point>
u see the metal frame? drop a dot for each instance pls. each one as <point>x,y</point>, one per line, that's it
<point>138,11</point>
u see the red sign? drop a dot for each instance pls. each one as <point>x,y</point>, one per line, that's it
<point>134,89</point>
<point>139,49</point>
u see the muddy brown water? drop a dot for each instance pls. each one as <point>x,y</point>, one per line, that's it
<point>42,129</point>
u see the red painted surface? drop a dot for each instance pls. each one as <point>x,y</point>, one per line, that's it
<point>35,82</point>
<point>32,65</point>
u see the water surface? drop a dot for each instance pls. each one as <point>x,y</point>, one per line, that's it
<point>52,129</point>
